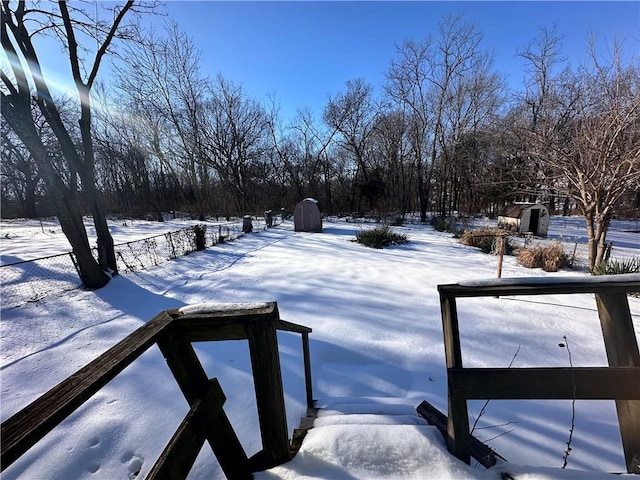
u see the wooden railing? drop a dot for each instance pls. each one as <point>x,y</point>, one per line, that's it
<point>620,381</point>
<point>174,331</point>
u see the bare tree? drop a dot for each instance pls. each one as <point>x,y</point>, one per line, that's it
<point>587,139</point>
<point>391,160</point>
<point>353,115</point>
<point>314,161</point>
<point>408,82</point>
<point>19,172</point>
<point>446,86</point>
<point>70,24</point>
<point>236,137</point>
<point>165,93</point>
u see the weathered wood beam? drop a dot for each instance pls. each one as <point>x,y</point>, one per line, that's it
<point>620,381</point>
<point>595,383</point>
<point>307,370</point>
<point>542,286</point>
<point>29,425</point>
<point>267,379</point>
<point>195,385</point>
<point>292,327</point>
<point>622,351</point>
<point>484,454</point>
<point>180,454</point>
<point>458,415</point>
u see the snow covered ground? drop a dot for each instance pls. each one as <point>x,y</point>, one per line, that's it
<point>377,339</point>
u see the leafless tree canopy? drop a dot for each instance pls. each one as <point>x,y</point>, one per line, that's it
<point>442,135</point>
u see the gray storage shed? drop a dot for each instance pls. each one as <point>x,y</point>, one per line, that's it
<point>525,218</point>
<point>307,217</point>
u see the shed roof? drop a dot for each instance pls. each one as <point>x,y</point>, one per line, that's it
<point>516,210</point>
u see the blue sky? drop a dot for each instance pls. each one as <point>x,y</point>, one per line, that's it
<point>306,51</point>
<point>303,52</point>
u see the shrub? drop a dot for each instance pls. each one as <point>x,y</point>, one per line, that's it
<point>439,223</point>
<point>554,257</point>
<point>530,257</point>
<point>617,267</point>
<point>484,239</point>
<point>380,237</point>
<point>550,258</point>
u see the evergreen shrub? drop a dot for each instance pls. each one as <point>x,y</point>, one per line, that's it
<point>617,267</point>
<point>380,237</point>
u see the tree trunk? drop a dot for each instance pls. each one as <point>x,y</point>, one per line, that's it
<point>70,218</point>
<point>106,251</point>
<point>30,208</point>
<point>592,243</point>
<point>602,226</point>
<point>597,227</point>
<point>17,113</point>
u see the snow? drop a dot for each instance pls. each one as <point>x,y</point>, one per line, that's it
<point>376,353</point>
<point>515,282</point>
<point>202,308</point>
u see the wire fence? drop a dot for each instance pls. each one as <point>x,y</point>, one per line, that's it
<point>153,251</point>
<point>29,281</point>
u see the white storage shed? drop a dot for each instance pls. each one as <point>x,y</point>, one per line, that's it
<point>525,218</point>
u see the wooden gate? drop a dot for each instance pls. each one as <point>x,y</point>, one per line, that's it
<point>620,381</point>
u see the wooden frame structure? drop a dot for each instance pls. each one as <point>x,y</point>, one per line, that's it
<point>620,381</point>
<point>174,331</point>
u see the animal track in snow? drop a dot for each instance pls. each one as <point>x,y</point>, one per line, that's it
<point>134,463</point>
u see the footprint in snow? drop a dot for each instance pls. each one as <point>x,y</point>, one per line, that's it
<point>134,463</point>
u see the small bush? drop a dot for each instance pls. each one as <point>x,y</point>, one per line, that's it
<point>530,257</point>
<point>617,267</point>
<point>380,237</point>
<point>485,240</point>
<point>550,258</point>
<point>554,257</point>
<point>439,223</point>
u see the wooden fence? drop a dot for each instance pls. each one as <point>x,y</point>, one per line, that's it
<point>174,331</point>
<point>620,381</point>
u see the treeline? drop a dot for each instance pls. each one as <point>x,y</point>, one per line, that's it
<point>443,134</point>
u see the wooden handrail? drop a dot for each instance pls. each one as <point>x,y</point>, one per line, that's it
<point>620,381</point>
<point>174,331</point>
<point>24,429</point>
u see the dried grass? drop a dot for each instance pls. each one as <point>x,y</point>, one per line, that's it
<point>530,257</point>
<point>550,258</point>
<point>484,239</point>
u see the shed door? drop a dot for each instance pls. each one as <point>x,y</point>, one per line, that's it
<point>534,219</point>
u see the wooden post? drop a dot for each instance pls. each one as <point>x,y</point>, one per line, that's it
<point>247,226</point>
<point>622,351</point>
<point>307,369</point>
<point>486,456</point>
<point>267,378</point>
<point>182,450</point>
<point>458,437</point>
<point>501,247</point>
<point>196,386</point>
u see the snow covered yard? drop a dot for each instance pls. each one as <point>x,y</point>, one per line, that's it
<point>377,336</point>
